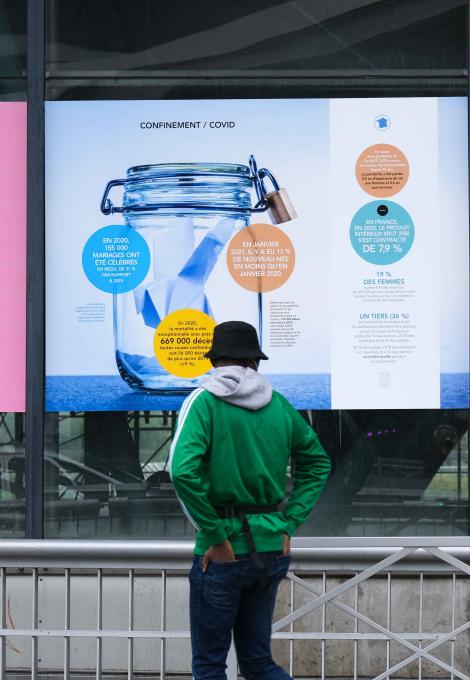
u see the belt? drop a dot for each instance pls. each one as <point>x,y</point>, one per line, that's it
<point>230,510</point>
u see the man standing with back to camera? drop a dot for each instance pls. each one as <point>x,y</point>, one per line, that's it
<point>228,462</point>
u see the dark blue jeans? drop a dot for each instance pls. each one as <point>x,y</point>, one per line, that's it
<point>230,597</point>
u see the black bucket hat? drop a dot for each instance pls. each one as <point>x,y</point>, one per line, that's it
<point>235,340</point>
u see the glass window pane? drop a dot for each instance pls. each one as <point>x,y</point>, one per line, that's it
<point>395,473</point>
<point>105,475</point>
<point>264,49</point>
<point>268,35</point>
<point>12,38</point>
<point>12,50</point>
<point>12,479</point>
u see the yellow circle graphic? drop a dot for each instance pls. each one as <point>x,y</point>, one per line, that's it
<point>181,340</point>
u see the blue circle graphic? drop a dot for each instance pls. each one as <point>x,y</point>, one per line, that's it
<point>116,259</point>
<point>382,232</point>
<point>382,122</point>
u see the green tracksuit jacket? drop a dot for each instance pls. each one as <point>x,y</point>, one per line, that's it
<point>228,453</point>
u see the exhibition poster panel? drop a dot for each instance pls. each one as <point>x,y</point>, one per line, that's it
<point>13,238</point>
<point>338,228</point>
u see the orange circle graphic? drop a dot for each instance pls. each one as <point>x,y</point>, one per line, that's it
<point>260,257</point>
<point>382,170</point>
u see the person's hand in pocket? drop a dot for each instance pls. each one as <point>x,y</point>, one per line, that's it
<point>222,552</point>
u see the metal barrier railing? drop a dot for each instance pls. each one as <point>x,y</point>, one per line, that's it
<point>324,572</point>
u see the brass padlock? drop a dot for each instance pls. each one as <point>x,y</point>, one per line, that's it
<point>280,208</point>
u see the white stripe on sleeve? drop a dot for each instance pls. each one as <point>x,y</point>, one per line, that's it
<point>188,402</point>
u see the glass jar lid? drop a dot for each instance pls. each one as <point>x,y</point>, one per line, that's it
<point>187,170</point>
<point>212,187</point>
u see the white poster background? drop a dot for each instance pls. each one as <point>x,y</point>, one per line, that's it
<point>413,381</point>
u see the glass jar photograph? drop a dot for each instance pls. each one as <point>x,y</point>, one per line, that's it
<point>187,213</point>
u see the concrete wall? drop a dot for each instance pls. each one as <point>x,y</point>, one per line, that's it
<point>339,654</point>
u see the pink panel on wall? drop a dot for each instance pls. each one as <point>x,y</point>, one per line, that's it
<point>12,255</point>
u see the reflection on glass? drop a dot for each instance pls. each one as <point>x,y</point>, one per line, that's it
<point>105,474</point>
<point>269,35</point>
<point>12,38</point>
<point>395,473</point>
<point>12,485</point>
